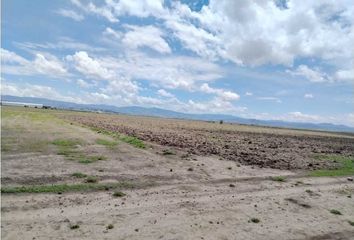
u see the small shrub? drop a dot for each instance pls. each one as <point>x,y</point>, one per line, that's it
<point>119,194</point>
<point>335,212</point>
<point>167,152</point>
<point>190,169</point>
<point>79,175</point>
<point>110,226</point>
<point>278,179</point>
<point>351,222</point>
<point>75,226</point>
<point>91,179</point>
<point>255,220</point>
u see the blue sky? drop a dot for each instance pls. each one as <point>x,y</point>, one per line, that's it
<point>286,60</point>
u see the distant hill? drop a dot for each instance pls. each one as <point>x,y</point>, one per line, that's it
<point>158,112</point>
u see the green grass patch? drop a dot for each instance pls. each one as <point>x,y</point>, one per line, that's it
<point>345,166</point>
<point>79,175</point>
<point>91,179</point>
<point>60,188</point>
<point>136,142</point>
<point>351,222</point>
<point>278,179</point>
<point>107,143</point>
<point>89,159</point>
<point>69,143</point>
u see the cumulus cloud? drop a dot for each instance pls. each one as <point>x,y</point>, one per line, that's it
<point>47,66</point>
<point>112,10</point>
<point>223,94</point>
<point>70,14</point>
<point>164,93</point>
<point>84,84</point>
<point>33,90</point>
<point>89,66</point>
<point>302,117</point>
<point>146,36</point>
<point>313,75</point>
<point>43,63</point>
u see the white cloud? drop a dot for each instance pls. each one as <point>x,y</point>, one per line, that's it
<point>164,93</point>
<point>177,71</point>
<point>70,14</point>
<point>223,94</point>
<point>112,33</point>
<point>345,75</point>
<point>32,90</point>
<point>146,36</point>
<point>48,66</point>
<point>275,99</point>
<point>89,66</point>
<point>301,117</point>
<point>84,84</point>
<point>313,75</point>
<point>308,95</point>
<point>112,10</point>
<point>248,94</point>
<point>216,105</point>
<point>11,57</point>
<point>43,63</point>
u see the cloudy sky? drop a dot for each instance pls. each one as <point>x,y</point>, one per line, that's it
<point>289,60</point>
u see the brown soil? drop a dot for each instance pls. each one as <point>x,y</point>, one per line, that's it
<point>264,147</point>
<point>169,201</point>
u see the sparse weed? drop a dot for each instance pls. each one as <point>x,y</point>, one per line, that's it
<point>119,194</point>
<point>167,152</point>
<point>66,187</point>
<point>79,175</point>
<point>278,178</point>
<point>91,179</point>
<point>107,143</point>
<point>75,226</point>
<point>335,212</point>
<point>110,226</point>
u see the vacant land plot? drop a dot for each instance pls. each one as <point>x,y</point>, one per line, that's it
<point>72,175</point>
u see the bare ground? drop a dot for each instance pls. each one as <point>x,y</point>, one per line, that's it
<point>216,200</point>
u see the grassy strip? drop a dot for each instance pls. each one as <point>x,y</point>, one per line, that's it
<point>345,166</point>
<point>60,188</point>
<point>107,143</point>
<point>136,142</point>
<point>67,148</point>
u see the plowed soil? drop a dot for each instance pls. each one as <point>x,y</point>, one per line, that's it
<point>263,147</point>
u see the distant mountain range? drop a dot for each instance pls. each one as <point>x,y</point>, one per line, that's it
<point>158,112</point>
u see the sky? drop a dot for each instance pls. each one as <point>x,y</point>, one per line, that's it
<point>286,60</point>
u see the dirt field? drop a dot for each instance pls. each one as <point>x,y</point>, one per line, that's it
<point>184,180</point>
